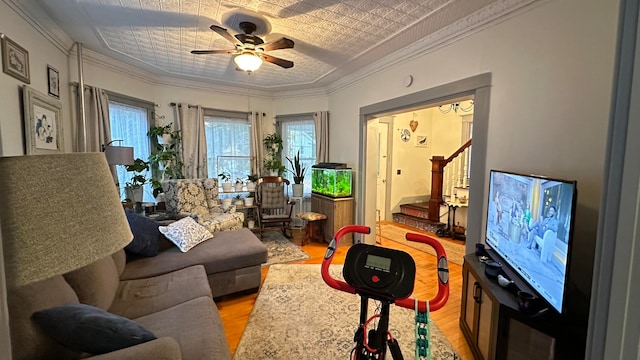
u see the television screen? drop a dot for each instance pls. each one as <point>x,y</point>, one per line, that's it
<point>529,225</point>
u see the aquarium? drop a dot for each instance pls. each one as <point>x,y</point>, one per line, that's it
<point>331,179</point>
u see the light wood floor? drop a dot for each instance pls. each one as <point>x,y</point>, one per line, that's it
<point>235,309</point>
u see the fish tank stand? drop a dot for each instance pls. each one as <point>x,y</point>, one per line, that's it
<point>339,213</point>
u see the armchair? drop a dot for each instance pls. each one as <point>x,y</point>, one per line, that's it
<point>274,206</point>
<point>198,198</point>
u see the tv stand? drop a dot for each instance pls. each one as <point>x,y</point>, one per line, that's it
<point>495,328</point>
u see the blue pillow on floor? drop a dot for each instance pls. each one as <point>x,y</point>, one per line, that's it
<point>145,235</point>
<point>89,329</point>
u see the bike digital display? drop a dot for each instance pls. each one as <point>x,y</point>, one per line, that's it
<point>378,263</point>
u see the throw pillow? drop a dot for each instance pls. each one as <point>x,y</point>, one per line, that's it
<point>145,235</point>
<point>185,233</point>
<point>89,329</point>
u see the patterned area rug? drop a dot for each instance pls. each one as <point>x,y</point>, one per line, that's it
<point>396,232</point>
<point>298,316</point>
<point>280,249</point>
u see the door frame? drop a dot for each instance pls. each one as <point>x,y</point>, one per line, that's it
<point>478,86</point>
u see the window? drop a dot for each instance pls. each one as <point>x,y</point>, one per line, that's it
<point>298,133</point>
<point>228,143</point>
<point>129,121</point>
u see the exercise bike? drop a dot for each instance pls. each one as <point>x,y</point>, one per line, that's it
<point>388,276</point>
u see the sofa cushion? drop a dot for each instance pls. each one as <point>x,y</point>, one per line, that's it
<point>89,329</point>
<point>96,283</point>
<point>27,340</point>
<point>216,223</point>
<point>185,233</point>
<point>145,235</point>
<point>140,297</point>
<point>197,327</point>
<point>228,250</point>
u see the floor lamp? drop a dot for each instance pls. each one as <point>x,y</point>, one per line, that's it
<point>117,155</point>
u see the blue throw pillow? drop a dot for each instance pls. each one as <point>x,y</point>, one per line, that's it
<point>145,235</point>
<point>89,329</point>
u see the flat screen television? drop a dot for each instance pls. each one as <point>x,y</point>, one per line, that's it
<point>530,225</point>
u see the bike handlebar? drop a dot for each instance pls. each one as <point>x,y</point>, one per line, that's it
<point>443,269</point>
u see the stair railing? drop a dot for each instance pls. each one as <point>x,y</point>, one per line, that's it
<point>446,175</point>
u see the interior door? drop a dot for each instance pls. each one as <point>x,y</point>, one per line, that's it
<point>381,184</point>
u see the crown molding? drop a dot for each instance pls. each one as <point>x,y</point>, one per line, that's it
<point>485,17</point>
<point>30,11</point>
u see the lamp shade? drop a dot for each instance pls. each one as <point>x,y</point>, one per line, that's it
<point>59,213</point>
<point>248,61</point>
<point>119,155</point>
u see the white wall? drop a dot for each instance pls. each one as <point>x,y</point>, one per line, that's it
<point>41,52</point>
<point>553,71</point>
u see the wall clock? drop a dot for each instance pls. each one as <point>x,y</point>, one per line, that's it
<point>405,135</point>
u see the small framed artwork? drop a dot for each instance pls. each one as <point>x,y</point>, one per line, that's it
<point>421,140</point>
<point>53,77</point>
<point>42,123</point>
<point>15,60</point>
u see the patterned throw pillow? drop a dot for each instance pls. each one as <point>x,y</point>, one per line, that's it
<point>185,233</point>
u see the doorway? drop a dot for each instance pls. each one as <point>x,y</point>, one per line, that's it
<point>478,88</point>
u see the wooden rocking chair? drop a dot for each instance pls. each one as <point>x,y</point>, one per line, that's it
<point>274,206</point>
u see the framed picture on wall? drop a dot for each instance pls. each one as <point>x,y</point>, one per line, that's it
<point>15,60</point>
<point>42,123</point>
<point>421,140</point>
<point>53,77</point>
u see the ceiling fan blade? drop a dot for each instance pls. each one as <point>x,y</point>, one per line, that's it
<point>213,51</point>
<point>225,34</point>
<point>274,60</point>
<point>282,43</point>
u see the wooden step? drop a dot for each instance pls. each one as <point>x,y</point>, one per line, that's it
<point>419,210</point>
<point>418,222</point>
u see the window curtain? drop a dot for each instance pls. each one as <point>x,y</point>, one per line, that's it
<point>321,122</point>
<point>257,149</point>
<point>190,120</point>
<point>98,129</point>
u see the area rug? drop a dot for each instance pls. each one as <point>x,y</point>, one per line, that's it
<point>280,249</point>
<point>298,316</point>
<point>391,231</point>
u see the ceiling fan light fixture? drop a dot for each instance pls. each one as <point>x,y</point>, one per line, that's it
<point>248,61</point>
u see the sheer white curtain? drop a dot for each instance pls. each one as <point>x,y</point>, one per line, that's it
<point>321,122</point>
<point>257,151</point>
<point>190,120</point>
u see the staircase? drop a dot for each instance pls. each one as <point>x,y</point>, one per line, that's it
<point>449,180</point>
<point>417,215</point>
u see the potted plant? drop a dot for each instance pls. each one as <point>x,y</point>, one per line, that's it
<point>225,178</point>
<point>133,187</point>
<point>248,200</point>
<point>165,161</point>
<point>298,170</point>
<point>163,133</point>
<point>237,200</point>
<point>251,182</point>
<point>239,184</point>
<point>273,155</point>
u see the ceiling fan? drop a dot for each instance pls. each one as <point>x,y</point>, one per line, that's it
<point>250,49</point>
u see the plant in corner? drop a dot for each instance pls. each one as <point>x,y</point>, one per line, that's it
<point>298,170</point>
<point>273,155</point>
<point>163,133</point>
<point>165,161</point>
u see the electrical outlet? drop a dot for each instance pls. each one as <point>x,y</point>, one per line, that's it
<point>398,172</point>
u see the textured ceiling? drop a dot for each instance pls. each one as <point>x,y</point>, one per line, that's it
<point>332,38</point>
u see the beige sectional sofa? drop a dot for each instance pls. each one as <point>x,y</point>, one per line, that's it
<point>170,295</point>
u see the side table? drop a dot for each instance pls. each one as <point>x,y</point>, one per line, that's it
<point>313,229</point>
